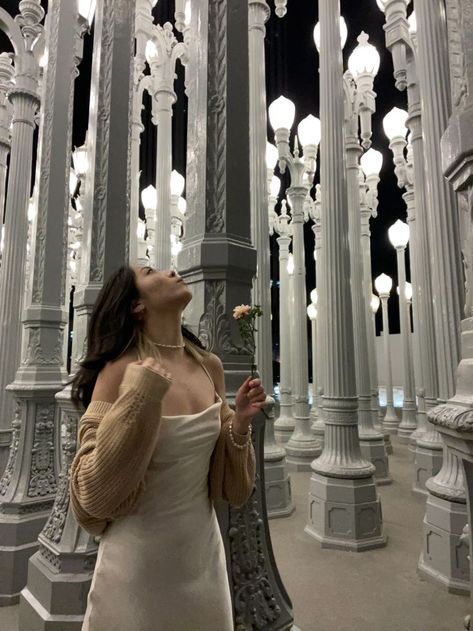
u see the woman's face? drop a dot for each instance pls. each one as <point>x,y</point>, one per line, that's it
<point>160,290</point>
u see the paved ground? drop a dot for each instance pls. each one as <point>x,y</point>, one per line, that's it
<point>378,590</point>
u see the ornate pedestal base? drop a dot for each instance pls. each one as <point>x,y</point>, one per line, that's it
<point>345,514</point>
<point>277,482</point>
<point>19,541</point>
<point>59,607</point>
<point>374,451</point>
<point>301,453</point>
<point>318,429</point>
<point>284,427</point>
<point>427,463</point>
<point>444,555</point>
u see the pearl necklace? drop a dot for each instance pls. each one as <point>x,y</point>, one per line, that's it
<point>169,345</point>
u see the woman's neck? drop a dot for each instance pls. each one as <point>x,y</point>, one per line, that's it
<point>164,329</point>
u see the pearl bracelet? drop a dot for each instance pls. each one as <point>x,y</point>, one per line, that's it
<point>232,438</point>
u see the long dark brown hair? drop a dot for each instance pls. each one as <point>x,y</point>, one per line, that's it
<point>113,330</point>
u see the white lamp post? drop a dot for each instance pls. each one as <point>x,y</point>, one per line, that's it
<point>6,83</point>
<point>399,237</point>
<point>149,198</point>
<point>383,285</point>
<point>394,124</point>
<point>397,32</point>
<point>343,33</point>
<point>359,106</point>
<point>301,448</point>
<point>284,425</point>
<point>312,315</point>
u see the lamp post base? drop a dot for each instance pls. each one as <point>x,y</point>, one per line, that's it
<point>345,514</point>
<point>374,450</point>
<point>444,557</point>
<point>284,427</point>
<point>427,463</point>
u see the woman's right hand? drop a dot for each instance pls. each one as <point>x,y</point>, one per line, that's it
<point>154,365</point>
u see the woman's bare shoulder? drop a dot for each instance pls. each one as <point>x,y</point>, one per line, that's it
<point>111,376</point>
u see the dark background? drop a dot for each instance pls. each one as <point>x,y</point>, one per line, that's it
<point>291,70</point>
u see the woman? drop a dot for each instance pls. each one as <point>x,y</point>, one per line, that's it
<point>156,440</point>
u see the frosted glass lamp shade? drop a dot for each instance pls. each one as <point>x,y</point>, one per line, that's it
<point>182,205</point>
<point>140,229</point>
<point>399,234</point>
<point>308,131</point>
<point>86,9</point>
<point>394,123</point>
<point>271,155</point>
<point>371,162</point>
<point>80,160</point>
<point>290,265</point>
<point>381,4</point>
<point>275,186</point>
<point>383,284</point>
<point>314,296</point>
<point>408,291</point>
<point>364,59</point>
<point>177,183</point>
<point>374,303</point>
<point>412,23</point>
<point>149,197</point>
<point>343,33</point>
<point>282,112</point>
<point>312,312</point>
<point>151,52</point>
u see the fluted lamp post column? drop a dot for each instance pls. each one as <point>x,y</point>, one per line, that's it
<point>285,423</point>
<point>399,237</point>
<point>302,447</point>
<point>383,285</point>
<point>363,65</point>
<point>149,198</point>
<point>6,82</point>
<point>312,315</point>
<point>342,480</point>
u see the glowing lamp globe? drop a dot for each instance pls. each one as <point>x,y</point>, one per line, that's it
<point>399,234</point>
<point>312,312</point>
<point>394,123</point>
<point>374,303</point>
<point>177,183</point>
<point>182,205</point>
<point>364,59</point>
<point>308,131</point>
<point>412,20</point>
<point>371,162</point>
<point>275,186</point>
<point>271,155</point>
<point>343,33</point>
<point>80,160</point>
<point>383,284</point>
<point>314,296</point>
<point>141,229</point>
<point>151,51</point>
<point>408,291</point>
<point>149,197</point>
<point>290,265</point>
<point>282,112</point>
<point>73,181</point>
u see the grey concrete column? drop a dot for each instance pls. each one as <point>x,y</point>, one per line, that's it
<point>278,484</point>
<point>455,419</point>
<point>219,262</point>
<point>428,444</point>
<point>318,427</point>
<point>342,480</point>
<point>284,425</point>
<point>6,83</point>
<point>390,420</point>
<point>371,440</point>
<point>446,503</point>
<point>29,482</point>
<point>409,407</point>
<point>302,447</point>
<point>25,100</point>
<point>59,574</point>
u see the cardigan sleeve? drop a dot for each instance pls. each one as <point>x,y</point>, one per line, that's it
<point>116,444</point>
<point>232,470</point>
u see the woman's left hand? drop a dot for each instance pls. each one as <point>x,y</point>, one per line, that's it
<point>250,399</point>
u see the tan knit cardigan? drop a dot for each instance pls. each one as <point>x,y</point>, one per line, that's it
<point>116,444</point>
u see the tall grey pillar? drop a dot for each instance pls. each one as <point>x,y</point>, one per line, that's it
<point>342,480</point>
<point>25,100</point>
<point>219,262</point>
<point>59,574</point>
<point>455,419</point>
<point>446,503</point>
<point>278,484</point>
<point>6,83</point>
<point>371,440</point>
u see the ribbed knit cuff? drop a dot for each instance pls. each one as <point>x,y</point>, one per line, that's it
<point>145,381</point>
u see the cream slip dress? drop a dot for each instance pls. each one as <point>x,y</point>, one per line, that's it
<point>163,567</point>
